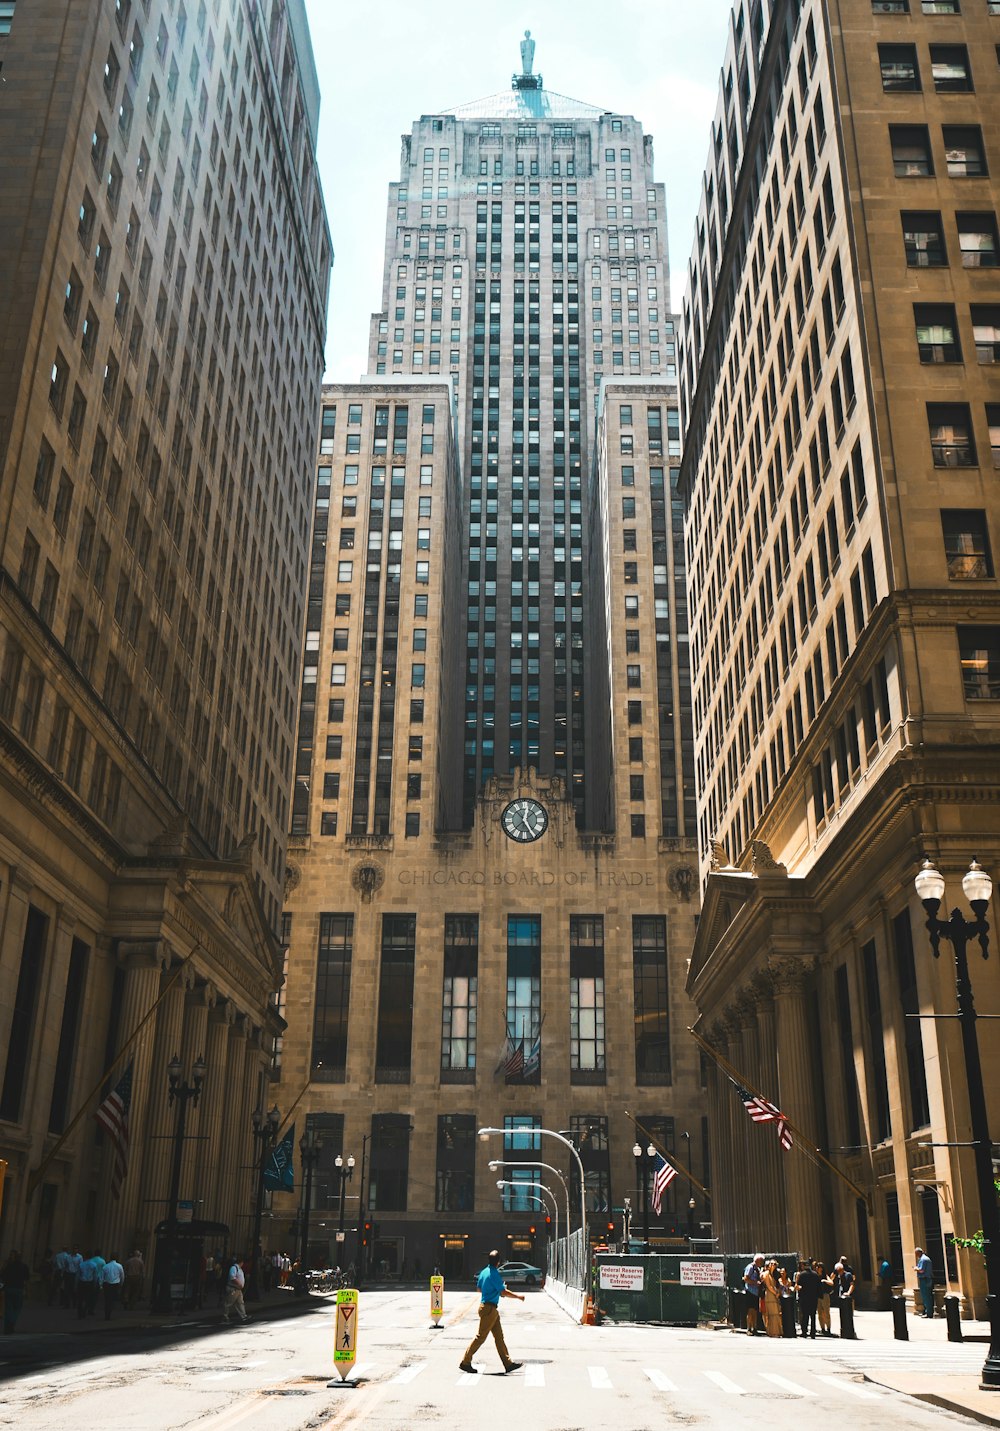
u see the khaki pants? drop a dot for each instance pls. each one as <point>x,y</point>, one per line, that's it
<point>489,1321</point>
<point>234,1303</point>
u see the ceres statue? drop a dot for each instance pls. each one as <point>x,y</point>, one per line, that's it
<point>527,53</point>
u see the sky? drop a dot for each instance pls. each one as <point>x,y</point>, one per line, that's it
<point>383,63</point>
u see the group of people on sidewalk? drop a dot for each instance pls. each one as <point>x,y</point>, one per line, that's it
<point>80,1282</point>
<point>780,1301</point>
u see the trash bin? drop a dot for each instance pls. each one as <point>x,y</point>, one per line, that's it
<point>953,1311</point>
<point>738,1302</point>
<point>899,1329</point>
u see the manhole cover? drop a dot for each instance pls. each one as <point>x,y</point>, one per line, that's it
<point>284,1391</point>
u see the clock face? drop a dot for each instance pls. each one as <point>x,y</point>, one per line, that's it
<point>524,820</point>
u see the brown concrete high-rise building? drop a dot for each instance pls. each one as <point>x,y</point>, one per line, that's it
<point>165,253</point>
<point>490,907</point>
<point>839,393</point>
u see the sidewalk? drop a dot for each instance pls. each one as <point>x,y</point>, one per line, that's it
<point>46,1331</point>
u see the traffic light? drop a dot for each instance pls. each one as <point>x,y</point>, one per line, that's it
<point>366,1234</point>
<point>532,1231</point>
<point>548,1220</point>
<point>611,1227</point>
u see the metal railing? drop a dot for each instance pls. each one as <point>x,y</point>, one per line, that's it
<point>568,1260</point>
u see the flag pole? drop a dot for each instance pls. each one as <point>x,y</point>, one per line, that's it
<point>805,1143</point>
<point>36,1175</point>
<point>669,1157</point>
<point>302,1093</point>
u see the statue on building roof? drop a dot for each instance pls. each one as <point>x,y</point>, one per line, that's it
<point>527,53</point>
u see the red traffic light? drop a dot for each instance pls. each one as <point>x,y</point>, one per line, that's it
<point>611,1227</point>
<point>532,1231</point>
<point>548,1220</point>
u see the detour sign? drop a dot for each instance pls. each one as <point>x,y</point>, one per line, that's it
<point>345,1344</point>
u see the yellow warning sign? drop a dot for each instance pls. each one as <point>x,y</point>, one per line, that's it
<point>437,1297</point>
<point>345,1344</point>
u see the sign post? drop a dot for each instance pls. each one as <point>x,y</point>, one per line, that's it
<point>345,1341</point>
<point>437,1301</point>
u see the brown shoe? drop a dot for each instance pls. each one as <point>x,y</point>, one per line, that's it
<point>462,1367</point>
<point>514,1366</point>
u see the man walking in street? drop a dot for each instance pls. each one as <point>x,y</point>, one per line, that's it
<point>924,1269</point>
<point>235,1282</point>
<point>753,1274</point>
<point>491,1288</point>
<point>112,1280</point>
<point>135,1276</point>
<point>88,1284</point>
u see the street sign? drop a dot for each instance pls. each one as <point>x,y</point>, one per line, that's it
<point>345,1343</point>
<point>621,1277</point>
<point>703,1274</point>
<point>437,1299</point>
<point>341,1236</point>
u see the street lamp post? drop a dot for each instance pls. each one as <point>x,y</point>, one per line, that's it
<point>362,1249</point>
<point>691,1202</point>
<point>265,1128</point>
<point>485,1133</point>
<point>978,887</point>
<point>504,1163</point>
<point>644,1160</point>
<point>181,1093</point>
<point>310,1148</point>
<point>345,1171</point>
<point>510,1183</point>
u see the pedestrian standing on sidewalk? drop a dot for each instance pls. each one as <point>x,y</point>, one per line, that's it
<point>807,1289</point>
<point>14,1276</point>
<point>235,1282</point>
<point>823,1305</point>
<point>135,1276</point>
<point>60,1265</point>
<point>72,1276</point>
<point>86,1286</point>
<point>112,1281</point>
<point>753,1274</point>
<point>491,1288</point>
<point>924,1269</point>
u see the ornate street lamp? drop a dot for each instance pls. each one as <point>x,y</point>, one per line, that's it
<point>959,931</point>
<point>345,1171</point>
<point>181,1093</point>
<point>644,1160</point>
<point>265,1129</point>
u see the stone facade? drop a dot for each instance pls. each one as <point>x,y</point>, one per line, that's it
<point>839,390</point>
<point>166,259</point>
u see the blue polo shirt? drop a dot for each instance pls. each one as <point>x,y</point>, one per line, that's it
<point>491,1285</point>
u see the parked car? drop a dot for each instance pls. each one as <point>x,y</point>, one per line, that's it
<point>521,1272</point>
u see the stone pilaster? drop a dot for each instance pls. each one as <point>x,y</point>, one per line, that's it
<point>774,1232</point>
<point>158,1151</point>
<point>193,1038</point>
<point>797,1097</point>
<point>214,1101</point>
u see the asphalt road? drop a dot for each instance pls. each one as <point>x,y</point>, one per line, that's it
<point>272,1376</point>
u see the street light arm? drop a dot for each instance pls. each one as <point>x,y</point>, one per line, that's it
<point>549,1133</point>
<point>525,1163</point>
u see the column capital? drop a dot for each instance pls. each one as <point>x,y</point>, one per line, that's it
<point>141,953</point>
<point>791,975</point>
<point>761,992</point>
<point>221,1011</point>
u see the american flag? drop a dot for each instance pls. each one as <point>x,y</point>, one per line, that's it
<point>761,1111</point>
<point>113,1116</point>
<point>514,1062</point>
<point>663,1176</point>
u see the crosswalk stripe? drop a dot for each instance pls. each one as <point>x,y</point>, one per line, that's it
<point>365,1369</point>
<point>724,1384</point>
<point>661,1382</point>
<point>599,1379</point>
<point>466,1380</point>
<point>410,1373</point>
<point>839,1384</point>
<point>534,1376</point>
<point>785,1384</point>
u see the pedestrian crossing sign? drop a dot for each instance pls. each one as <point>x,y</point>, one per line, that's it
<point>345,1342</point>
<point>437,1298</point>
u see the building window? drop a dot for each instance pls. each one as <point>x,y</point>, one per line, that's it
<point>952,443</point>
<point>979,653</point>
<point>986,331</point>
<point>993,419</point>
<point>524,983</point>
<point>963,149</point>
<point>461,980</point>
<point>652,1009</point>
<point>898,64</point>
<point>909,998</point>
<point>923,239</point>
<point>911,151</point>
<point>25,1010</point>
<point>937,333</point>
<point>333,989</point>
<point>412,824</point>
<point>586,996</point>
<point>950,68</point>
<point>978,240</point>
<point>328,822</point>
<point>395,999</point>
<point>456,1162</point>
<point>520,1140</point>
<point>390,1164</point>
<point>967,545</point>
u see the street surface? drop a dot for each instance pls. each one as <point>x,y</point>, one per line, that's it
<point>272,1376</point>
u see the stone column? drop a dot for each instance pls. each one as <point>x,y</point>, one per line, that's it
<point>774,1232</point>
<point>758,1196</point>
<point>797,1097</point>
<point>234,1171</point>
<point>155,1191</point>
<point>747,1206</point>
<point>11,945</point>
<point>727,1186</point>
<point>192,1048</point>
<point>143,962</point>
<point>214,1101</point>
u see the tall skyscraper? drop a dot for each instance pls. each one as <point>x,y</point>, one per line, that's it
<point>166,255</point>
<point>841,403</point>
<point>490,905</point>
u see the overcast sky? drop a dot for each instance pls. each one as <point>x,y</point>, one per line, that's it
<point>383,63</point>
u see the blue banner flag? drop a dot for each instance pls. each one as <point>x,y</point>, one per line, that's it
<point>279,1175</point>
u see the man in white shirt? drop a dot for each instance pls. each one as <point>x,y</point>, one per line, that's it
<point>112,1278</point>
<point>235,1282</point>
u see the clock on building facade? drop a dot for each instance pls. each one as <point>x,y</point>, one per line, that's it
<point>524,820</point>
